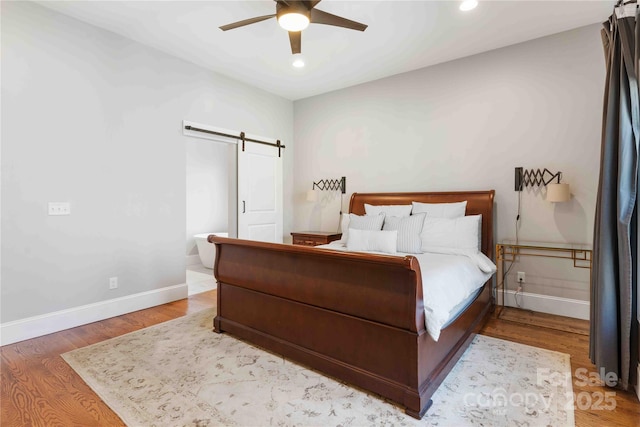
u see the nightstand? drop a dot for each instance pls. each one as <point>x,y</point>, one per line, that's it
<point>314,238</point>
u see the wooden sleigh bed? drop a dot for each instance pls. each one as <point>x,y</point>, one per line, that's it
<point>358,317</point>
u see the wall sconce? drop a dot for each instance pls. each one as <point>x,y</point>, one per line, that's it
<point>327,184</point>
<point>332,184</point>
<point>556,192</point>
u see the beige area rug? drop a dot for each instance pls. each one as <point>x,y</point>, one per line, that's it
<point>181,373</point>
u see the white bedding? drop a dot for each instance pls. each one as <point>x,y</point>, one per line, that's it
<point>447,280</point>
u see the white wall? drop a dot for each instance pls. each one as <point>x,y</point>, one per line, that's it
<point>95,119</point>
<point>208,172</point>
<point>465,125</point>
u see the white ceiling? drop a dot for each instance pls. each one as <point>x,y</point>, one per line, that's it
<point>402,35</point>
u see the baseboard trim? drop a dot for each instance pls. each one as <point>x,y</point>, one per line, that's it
<point>548,304</point>
<point>36,326</point>
<point>193,259</point>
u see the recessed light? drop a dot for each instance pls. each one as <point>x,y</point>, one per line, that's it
<point>467,5</point>
<point>298,60</point>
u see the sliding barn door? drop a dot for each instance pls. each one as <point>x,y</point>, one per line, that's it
<point>260,184</point>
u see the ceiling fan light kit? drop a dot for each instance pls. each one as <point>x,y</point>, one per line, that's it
<point>468,5</point>
<point>295,15</point>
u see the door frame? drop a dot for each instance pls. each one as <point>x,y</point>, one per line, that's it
<point>233,211</point>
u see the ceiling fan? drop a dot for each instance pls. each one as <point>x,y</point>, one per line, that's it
<point>295,15</point>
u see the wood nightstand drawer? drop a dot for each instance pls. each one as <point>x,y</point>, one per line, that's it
<point>305,242</point>
<point>314,238</point>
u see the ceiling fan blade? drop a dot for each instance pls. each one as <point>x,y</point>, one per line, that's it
<point>295,37</point>
<point>311,3</point>
<point>320,17</point>
<point>246,22</point>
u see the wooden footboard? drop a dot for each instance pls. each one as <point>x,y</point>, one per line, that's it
<point>355,316</point>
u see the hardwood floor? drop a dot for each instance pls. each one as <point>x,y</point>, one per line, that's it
<point>528,317</point>
<point>590,395</point>
<point>39,389</point>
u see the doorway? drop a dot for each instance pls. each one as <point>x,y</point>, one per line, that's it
<point>233,188</point>
<point>208,172</point>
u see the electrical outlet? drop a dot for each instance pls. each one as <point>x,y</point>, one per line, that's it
<point>521,277</point>
<point>113,283</point>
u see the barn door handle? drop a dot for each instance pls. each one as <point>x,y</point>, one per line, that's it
<point>244,207</point>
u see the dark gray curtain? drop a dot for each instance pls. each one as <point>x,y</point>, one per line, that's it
<point>614,282</point>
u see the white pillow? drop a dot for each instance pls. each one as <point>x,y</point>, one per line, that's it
<point>409,228</point>
<point>359,222</point>
<point>388,210</point>
<point>370,240</point>
<point>459,233</point>
<point>344,227</point>
<point>481,260</point>
<point>441,210</point>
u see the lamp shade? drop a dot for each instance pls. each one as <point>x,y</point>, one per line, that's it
<point>312,196</point>
<point>558,193</point>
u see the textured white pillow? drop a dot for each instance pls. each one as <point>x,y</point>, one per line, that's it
<point>409,228</point>
<point>388,210</point>
<point>359,222</point>
<point>441,210</point>
<point>459,233</point>
<point>370,240</point>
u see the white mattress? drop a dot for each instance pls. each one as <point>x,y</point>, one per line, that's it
<point>448,282</point>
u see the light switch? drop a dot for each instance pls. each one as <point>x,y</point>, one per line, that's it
<point>59,208</point>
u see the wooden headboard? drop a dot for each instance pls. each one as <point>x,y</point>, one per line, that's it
<point>478,202</point>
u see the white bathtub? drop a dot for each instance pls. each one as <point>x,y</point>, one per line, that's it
<point>206,250</point>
